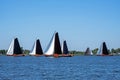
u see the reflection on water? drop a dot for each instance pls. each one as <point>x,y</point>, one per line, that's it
<point>73,68</point>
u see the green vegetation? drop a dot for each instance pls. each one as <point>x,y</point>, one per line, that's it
<point>95,51</point>
<point>3,51</point>
<point>26,51</point>
<point>115,51</point>
<point>77,52</point>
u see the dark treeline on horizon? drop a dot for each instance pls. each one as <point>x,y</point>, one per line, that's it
<point>112,51</point>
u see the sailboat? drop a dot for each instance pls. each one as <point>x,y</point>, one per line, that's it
<point>37,49</point>
<point>14,49</point>
<point>54,47</point>
<point>88,52</point>
<point>65,52</point>
<point>103,50</point>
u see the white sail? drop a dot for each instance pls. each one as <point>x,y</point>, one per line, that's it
<point>62,47</point>
<point>100,50</point>
<point>11,48</point>
<point>33,52</point>
<point>50,49</point>
<point>91,52</point>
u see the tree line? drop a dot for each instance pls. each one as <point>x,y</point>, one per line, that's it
<point>3,52</point>
<point>112,51</point>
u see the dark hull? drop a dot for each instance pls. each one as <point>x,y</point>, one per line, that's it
<point>54,55</point>
<point>17,55</point>
<point>57,55</point>
<point>66,55</point>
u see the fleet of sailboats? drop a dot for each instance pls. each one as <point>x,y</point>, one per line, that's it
<point>54,48</point>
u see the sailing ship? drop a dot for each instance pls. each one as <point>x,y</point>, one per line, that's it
<point>54,47</point>
<point>65,52</point>
<point>14,48</point>
<point>103,50</point>
<point>88,52</point>
<point>37,49</point>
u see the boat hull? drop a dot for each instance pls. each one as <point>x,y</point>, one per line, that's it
<point>16,55</point>
<point>54,55</point>
<point>66,55</point>
<point>59,55</point>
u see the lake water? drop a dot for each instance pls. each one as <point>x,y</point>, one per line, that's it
<point>73,68</point>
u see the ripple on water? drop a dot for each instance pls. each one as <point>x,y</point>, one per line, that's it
<point>74,68</point>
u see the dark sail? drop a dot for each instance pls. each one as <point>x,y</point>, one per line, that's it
<point>105,50</point>
<point>57,49</point>
<point>17,48</point>
<point>38,48</point>
<point>87,52</point>
<point>65,48</point>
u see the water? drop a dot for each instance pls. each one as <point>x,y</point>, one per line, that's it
<point>73,68</point>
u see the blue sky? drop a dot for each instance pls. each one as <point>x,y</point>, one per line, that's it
<point>83,23</point>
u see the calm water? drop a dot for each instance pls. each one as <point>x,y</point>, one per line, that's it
<point>74,68</point>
